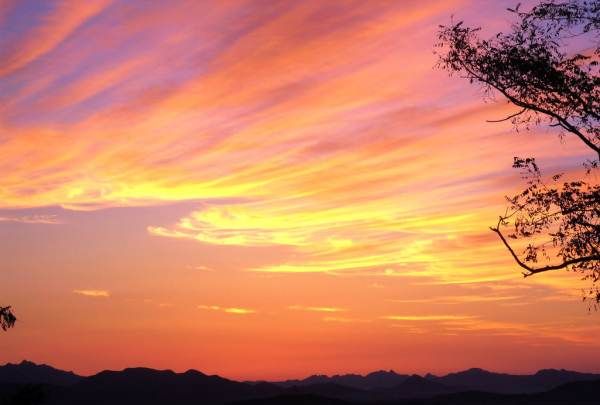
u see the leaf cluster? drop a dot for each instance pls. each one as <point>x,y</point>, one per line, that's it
<point>533,67</point>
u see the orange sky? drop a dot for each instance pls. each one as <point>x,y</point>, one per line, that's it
<point>265,190</point>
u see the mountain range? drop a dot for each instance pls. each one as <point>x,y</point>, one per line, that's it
<point>472,379</point>
<point>30,383</point>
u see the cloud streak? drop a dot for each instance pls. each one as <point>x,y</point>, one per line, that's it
<point>316,309</point>
<point>54,28</point>
<point>228,310</point>
<point>428,317</point>
<point>93,293</point>
<point>32,219</point>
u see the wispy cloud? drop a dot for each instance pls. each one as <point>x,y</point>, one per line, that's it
<point>32,219</point>
<point>342,319</point>
<point>201,268</point>
<point>55,27</point>
<point>459,299</point>
<point>428,317</point>
<point>239,311</point>
<point>316,309</point>
<point>228,310</point>
<point>93,293</point>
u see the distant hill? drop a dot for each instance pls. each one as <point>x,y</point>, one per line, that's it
<point>575,393</point>
<point>482,380</point>
<point>374,380</point>
<point>330,390</point>
<point>417,387</point>
<point>297,399</point>
<point>27,372</point>
<point>147,386</point>
<point>473,379</point>
<point>29,383</point>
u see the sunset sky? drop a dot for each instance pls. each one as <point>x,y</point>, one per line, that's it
<point>266,189</point>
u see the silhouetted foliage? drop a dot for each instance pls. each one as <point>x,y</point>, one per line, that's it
<point>7,318</point>
<point>533,68</point>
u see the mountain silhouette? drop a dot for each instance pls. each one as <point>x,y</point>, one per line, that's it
<point>416,387</point>
<point>476,379</point>
<point>291,399</point>
<point>549,378</point>
<point>28,383</point>
<point>482,380</point>
<point>27,372</point>
<point>374,380</point>
<point>383,379</point>
<point>148,386</point>
<point>576,393</point>
<point>330,390</point>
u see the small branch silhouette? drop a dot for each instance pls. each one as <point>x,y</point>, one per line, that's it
<point>533,270</point>
<point>7,318</point>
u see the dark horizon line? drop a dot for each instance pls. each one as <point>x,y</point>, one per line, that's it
<point>25,361</point>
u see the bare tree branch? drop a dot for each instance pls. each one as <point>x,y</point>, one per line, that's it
<point>509,117</point>
<point>534,270</point>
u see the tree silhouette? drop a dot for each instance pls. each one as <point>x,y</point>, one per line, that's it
<point>7,318</point>
<point>553,224</point>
